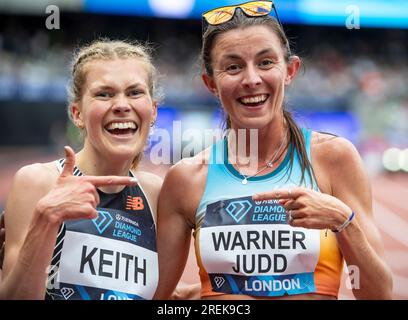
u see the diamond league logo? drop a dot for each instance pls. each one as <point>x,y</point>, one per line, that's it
<point>102,221</point>
<point>238,209</point>
<point>219,281</point>
<point>67,292</point>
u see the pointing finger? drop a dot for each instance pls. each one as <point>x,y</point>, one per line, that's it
<point>111,181</point>
<point>69,162</point>
<point>276,194</point>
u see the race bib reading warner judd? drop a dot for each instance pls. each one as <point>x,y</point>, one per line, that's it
<point>247,247</point>
<point>111,257</point>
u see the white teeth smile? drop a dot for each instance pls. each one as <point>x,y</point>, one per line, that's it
<point>255,99</point>
<point>121,125</point>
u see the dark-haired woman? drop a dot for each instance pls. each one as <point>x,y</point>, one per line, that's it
<point>279,220</point>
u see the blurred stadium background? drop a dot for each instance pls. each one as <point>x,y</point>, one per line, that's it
<point>355,84</point>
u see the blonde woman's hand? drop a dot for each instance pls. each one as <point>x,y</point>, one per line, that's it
<point>75,197</point>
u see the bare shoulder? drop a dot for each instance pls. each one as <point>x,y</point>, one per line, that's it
<point>37,175</point>
<point>30,184</point>
<point>189,169</point>
<point>149,180</point>
<point>338,166</point>
<point>333,151</point>
<point>184,185</point>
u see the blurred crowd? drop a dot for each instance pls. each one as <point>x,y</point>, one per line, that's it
<point>361,71</point>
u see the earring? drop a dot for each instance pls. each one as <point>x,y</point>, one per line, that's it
<point>152,129</point>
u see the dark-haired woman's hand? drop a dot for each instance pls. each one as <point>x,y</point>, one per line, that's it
<point>308,208</point>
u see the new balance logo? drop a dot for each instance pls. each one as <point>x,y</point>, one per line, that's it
<point>134,203</point>
<point>102,221</point>
<point>238,209</point>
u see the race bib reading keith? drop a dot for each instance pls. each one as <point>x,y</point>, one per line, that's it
<point>247,247</point>
<point>108,264</point>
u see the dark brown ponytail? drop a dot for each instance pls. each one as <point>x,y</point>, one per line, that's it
<point>297,140</point>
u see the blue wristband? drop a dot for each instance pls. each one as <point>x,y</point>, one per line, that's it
<point>345,224</point>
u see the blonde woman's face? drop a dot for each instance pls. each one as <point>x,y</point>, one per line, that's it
<point>116,108</point>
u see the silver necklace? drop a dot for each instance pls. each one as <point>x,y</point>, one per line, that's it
<point>269,164</point>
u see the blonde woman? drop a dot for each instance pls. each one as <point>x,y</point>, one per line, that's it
<point>84,227</point>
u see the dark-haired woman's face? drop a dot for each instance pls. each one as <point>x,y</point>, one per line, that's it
<point>249,76</point>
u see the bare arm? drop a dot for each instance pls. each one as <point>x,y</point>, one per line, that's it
<point>152,185</point>
<point>360,242</point>
<point>35,209</point>
<point>28,245</point>
<point>174,230</point>
<point>347,190</point>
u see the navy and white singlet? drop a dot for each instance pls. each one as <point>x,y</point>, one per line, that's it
<point>111,257</point>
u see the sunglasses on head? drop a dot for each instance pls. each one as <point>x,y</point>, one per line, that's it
<point>224,14</point>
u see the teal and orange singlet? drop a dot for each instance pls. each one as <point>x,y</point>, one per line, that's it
<point>247,247</point>
<point>111,257</point>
